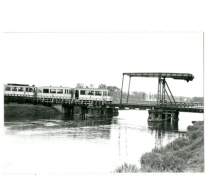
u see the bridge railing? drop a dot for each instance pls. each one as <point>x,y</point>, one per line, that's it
<point>194,105</point>
<point>52,100</point>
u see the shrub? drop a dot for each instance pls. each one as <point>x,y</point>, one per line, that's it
<point>127,168</point>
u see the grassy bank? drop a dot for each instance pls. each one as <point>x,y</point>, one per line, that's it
<point>27,109</point>
<point>181,155</point>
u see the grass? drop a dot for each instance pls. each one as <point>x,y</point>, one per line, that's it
<point>182,155</point>
<point>27,109</point>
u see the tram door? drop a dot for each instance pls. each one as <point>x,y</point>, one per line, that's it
<point>76,94</point>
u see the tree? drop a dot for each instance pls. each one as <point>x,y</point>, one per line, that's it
<point>102,86</point>
<point>198,99</point>
<point>91,85</point>
<point>80,85</point>
<point>113,88</point>
<point>115,91</point>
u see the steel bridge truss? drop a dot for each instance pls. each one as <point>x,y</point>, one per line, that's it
<point>162,91</point>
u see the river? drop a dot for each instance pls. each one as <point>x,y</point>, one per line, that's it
<point>60,144</point>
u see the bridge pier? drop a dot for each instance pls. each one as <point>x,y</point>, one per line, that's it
<point>63,109</point>
<point>99,112</point>
<point>79,112</point>
<point>82,111</point>
<point>159,115</point>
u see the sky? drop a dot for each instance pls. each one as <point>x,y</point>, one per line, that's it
<point>65,59</point>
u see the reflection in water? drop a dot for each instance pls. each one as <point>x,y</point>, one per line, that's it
<point>122,143</point>
<point>68,125</point>
<point>65,144</point>
<point>160,129</point>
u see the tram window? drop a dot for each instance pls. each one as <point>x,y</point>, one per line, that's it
<point>69,91</point>
<point>45,90</point>
<point>104,93</point>
<point>53,91</point>
<point>31,90</point>
<point>8,88</point>
<point>14,88</point>
<point>20,89</point>
<point>83,92</point>
<point>109,93</point>
<point>98,93</point>
<point>90,92</point>
<point>59,91</point>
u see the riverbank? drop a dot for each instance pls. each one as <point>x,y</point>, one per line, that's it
<point>182,155</point>
<point>14,109</point>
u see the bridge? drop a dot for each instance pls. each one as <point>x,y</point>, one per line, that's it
<point>165,107</point>
<point>162,92</point>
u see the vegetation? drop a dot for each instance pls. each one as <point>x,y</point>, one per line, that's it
<point>127,168</point>
<point>91,85</point>
<point>102,86</point>
<point>181,155</point>
<point>27,109</point>
<point>80,85</point>
<point>198,99</point>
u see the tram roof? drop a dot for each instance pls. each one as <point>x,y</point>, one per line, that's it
<point>14,84</point>
<point>54,87</point>
<point>92,89</point>
<point>181,76</point>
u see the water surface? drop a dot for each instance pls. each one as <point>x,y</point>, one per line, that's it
<point>62,144</point>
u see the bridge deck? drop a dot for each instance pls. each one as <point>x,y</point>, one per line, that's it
<point>182,107</point>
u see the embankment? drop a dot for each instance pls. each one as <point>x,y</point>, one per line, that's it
<point>14,109</point>
<point>181,155</point>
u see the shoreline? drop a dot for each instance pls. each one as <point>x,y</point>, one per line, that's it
<point>185,154</point>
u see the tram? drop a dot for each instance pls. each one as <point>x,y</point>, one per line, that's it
<point>93,94</point>
<point>19,89</point>
<point>58,92</point>
<point>54,92</point>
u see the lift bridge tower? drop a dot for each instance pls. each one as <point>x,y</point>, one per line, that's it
<point>166,108</point>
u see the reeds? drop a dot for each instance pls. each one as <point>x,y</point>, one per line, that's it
<point>127,168</point>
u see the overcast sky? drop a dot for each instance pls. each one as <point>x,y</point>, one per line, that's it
<point>94,58</point>
<point>65,59</point>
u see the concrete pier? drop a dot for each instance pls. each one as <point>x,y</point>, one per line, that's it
<point>99,112</point>
<point>63,109</point>
<point>160,115</point>
<point>83,111</point>
<point>79,112</point>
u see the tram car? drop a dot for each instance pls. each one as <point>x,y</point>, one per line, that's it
<point>19,89</point>
<point>54,92</point>
<point>92,94</point>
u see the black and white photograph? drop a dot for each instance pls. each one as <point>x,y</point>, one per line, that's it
<point>89,100</point>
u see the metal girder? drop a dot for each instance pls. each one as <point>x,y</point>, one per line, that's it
<point>128,89</point>
<point>162,90</point>
<point>122,89</point>
<point>179,76</point>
